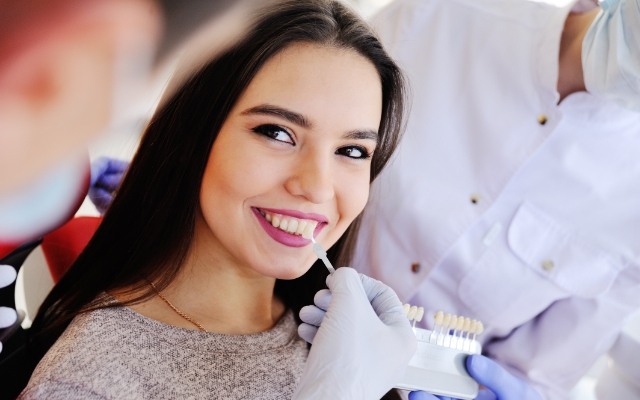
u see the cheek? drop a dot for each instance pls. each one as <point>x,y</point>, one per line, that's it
<point>354,196</point>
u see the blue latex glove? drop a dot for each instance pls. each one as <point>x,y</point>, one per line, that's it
<point>500,384</point>
<point>362,343</point>
<point>426,396</point>
<point>106,174</point>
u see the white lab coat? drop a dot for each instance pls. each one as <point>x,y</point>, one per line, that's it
<point>500,204</point>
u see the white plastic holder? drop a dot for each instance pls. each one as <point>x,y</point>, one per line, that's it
<point>438,366</point>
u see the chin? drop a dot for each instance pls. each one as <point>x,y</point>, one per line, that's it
<point>284,272</point>
<point>287,269</point>
<point>294,273</point>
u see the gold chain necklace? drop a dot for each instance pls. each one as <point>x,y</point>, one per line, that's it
<point>174,308</point>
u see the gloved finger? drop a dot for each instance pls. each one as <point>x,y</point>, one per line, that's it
<point>322,299</point>
<point>485,394</point>
<point>312,315</point>
<point>98,168</point>
<point>307,332</point>
<point>384,301</point>
<point>117,166</point>
<point>8,275</point>
<point>8,317</point>
<point>345,284</point>
<point>109,181</point>
<point>369,298</point>
<point>100,198</point>
<point>106,165</point>
<point>420,395</point>
<point>502,383</point>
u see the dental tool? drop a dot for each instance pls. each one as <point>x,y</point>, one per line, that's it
<point>317,247</point>
<point>438,365</point>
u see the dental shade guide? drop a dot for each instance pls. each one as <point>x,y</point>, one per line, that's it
<point>317,247</point>
<point>438,366</point>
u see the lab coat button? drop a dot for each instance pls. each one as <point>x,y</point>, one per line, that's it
<point>542,119</point>
<point>415,267</point>
<point>548,265</point>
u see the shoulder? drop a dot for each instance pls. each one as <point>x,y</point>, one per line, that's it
<point>54,390</point>
<point>410,18</point>
<point>88,357</point>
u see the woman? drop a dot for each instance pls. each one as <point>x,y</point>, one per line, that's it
<point>192,284</point>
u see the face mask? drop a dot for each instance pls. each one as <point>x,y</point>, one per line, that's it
<point>44,205</point>
<point>611,53</point>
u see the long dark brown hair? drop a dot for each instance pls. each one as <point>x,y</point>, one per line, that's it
<point>147,231</point>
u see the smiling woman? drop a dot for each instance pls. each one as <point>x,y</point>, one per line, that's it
<point>289,151</point>
<point>203,247</point>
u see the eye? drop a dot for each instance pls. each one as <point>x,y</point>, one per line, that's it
<point>356,152</point>
<point>274,132</point>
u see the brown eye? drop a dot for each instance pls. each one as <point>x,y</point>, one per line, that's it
<point>356,152</point>
<point>274,132</point>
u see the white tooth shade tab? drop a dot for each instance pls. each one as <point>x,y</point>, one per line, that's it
<point>438,365</point>
<point>308,230</point>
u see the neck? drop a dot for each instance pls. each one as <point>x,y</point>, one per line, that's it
<point>216,293</point>
<point>223,299</point>
<point>570,75</point>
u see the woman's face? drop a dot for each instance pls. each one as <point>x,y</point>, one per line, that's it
<point>295,150</point>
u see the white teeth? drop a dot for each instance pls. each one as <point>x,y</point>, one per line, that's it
<point>294,226</point>
<point>308,230</point>
<point>301,225</point>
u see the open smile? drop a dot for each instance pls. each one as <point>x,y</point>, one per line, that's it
<point>287,229</point>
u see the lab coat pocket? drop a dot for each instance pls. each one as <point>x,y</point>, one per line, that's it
<point>537,263</point>
<point>561,255</point>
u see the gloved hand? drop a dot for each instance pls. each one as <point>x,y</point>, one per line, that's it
<point>419,395</point>
<point>500,384</point>
<point>106,174</point>
<point>361,345</point>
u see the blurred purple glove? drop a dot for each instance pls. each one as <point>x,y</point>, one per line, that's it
<point>500,384</point>
<point>106,174</point>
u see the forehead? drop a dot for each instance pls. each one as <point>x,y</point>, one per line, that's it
<point>316,79</point>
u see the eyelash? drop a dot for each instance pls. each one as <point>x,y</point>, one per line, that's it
<point>346,150</point>
<point>271,131</point>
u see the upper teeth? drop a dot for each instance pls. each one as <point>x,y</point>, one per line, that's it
<point>304,227</point>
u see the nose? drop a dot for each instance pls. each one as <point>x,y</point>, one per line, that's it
<point>312,178</point>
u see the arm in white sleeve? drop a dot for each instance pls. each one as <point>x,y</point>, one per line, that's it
<point>557,348</point>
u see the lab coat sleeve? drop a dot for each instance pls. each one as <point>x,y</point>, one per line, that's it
<point>559,346</point>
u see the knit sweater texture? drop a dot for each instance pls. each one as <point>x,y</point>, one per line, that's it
<point>116,353</point>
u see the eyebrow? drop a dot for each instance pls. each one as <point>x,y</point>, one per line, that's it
<point>301,120</point>
<point>267,109</point>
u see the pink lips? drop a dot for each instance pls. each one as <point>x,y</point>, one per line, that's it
<point>286,238</point>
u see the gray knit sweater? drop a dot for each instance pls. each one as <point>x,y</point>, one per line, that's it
<point>116,353</point>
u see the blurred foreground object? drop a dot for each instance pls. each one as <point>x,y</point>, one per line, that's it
<point>70,69</point>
